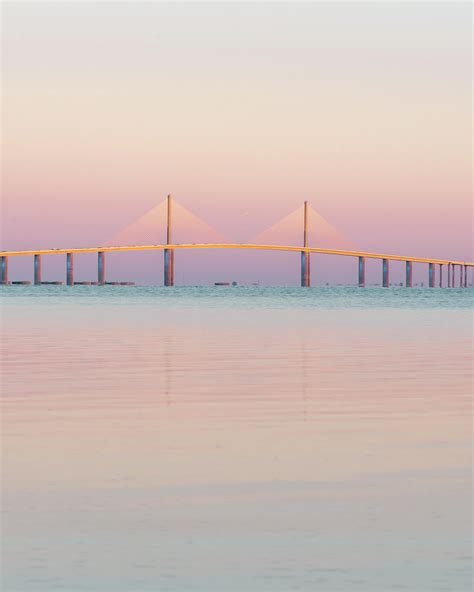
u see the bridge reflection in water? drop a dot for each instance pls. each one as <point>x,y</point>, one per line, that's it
<point>305,251</point>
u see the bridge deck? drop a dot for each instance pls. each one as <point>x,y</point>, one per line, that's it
<point>233,246</point>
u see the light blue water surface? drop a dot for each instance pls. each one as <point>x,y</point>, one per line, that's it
<point>265,297</point>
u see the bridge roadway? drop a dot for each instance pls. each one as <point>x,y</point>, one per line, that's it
<point>297,249</point>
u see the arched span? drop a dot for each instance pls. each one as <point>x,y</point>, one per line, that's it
<point>255,247</point>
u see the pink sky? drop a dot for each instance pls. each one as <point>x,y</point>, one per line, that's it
<point>241,111</point>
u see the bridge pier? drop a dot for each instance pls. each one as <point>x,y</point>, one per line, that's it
<point>385,273</point>
<point>409,274</point>
<point>101,268</point>
<point>465,276</point>
<point>305,270</point>
<point>169,267</point>
<point>168,254</point>
<point>440,275</point>
<point>70,269</point>
<point>431,275</point>
<point>3,269</point>
<point>361,272</point>
<point>37,270</point>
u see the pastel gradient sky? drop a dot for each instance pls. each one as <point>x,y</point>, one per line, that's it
<point>241,111</point>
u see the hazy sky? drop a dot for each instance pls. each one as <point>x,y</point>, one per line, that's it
<point>241,111</point>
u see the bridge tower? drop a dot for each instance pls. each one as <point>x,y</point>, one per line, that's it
<point>305,258</point>
<point>169,253</point>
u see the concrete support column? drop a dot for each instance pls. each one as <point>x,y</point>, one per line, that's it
<point>440,275</point>
<point>465,276</point>
<point>169,267</point>
<point>361,272</point>
<point>409,274</point>
<point>70,269</point>
<point>3,269</point>
<point>431,275</point>
<point>305,270</point>
<point>385,273</point>
<point>101,268</point>
<point>37,268</point>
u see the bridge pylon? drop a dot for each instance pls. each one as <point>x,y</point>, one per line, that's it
<point>169,253</point>
<point>305,257</point>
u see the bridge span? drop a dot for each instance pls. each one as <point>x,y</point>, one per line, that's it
<point>305,251</point>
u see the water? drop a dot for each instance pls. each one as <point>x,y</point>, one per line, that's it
<point>232,439</point>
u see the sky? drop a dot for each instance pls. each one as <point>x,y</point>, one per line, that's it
<point>241,111</point>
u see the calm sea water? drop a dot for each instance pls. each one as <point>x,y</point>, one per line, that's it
<point>231,439</point>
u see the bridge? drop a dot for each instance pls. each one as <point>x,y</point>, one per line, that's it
<point>169,248</point>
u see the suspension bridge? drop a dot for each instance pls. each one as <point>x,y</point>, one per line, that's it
<point>454,268</point>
